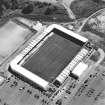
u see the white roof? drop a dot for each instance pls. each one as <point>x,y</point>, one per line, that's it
<point>79,69</point>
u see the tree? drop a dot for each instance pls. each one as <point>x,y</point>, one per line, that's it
<point>28,9</point>
<point>14,4</point>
